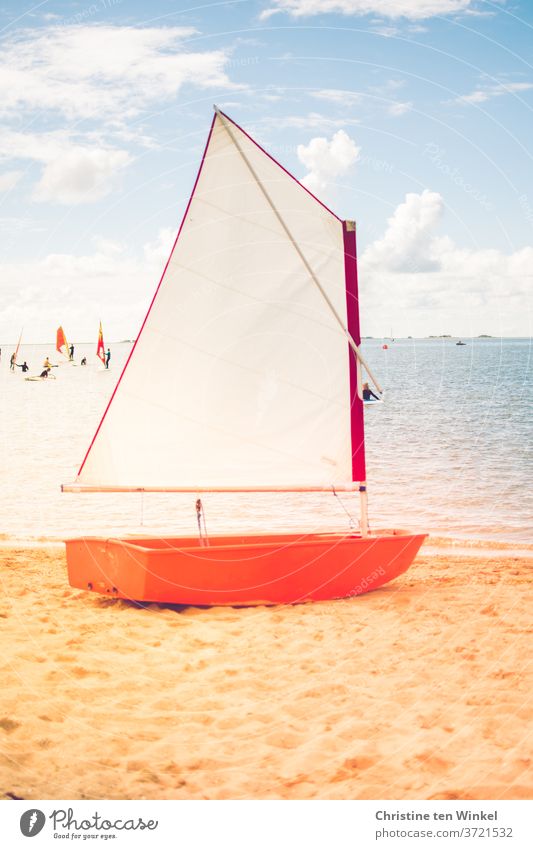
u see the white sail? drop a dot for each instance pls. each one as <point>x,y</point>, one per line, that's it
<point>240,375</point>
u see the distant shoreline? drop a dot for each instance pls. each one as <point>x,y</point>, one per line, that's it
<point>438,338</point>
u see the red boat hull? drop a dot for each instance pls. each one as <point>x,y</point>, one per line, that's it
<point>245,570</point>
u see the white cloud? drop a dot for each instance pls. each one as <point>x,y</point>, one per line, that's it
<point>386,31</point>
<point>335,95</point>
<point>107,246</point>
<point>109,282</point>
<point>80,175</point>
<point>9,179</point>
<point>311,121</point>
<point>394,85</point>
<point>483,94</point>
<point>110,72</point>
<point>327,160</point>
<point>158,251</point>
<point>73,173</point>
<point>38,146</point>
<point>105,74</point>
<point>12,224</point>
<point>400,108</point>
<point>475,97</point>
<point>412,9</point>
<point>406,243</point>
<point>424,283</point>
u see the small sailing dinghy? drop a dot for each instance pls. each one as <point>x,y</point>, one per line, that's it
<point>254,330</point>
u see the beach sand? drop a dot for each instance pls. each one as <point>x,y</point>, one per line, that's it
<point>419,690</point>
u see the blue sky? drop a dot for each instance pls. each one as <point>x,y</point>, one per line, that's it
<point>411,116</point>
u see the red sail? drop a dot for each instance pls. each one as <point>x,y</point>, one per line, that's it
<point>100,348</point>
<point>61,342</point>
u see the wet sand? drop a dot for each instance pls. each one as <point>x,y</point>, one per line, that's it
<point>420,690</point>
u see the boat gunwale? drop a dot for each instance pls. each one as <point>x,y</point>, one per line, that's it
<point>280,543</point>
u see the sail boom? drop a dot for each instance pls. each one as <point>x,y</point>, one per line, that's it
<point>337,487</point>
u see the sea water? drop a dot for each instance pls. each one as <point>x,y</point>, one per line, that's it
<point>448,452</point>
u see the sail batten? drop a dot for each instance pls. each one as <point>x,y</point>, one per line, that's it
<point>239,379</point>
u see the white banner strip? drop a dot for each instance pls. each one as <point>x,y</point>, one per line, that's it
<point>270,824</point>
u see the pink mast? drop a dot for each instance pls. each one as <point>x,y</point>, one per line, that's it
<point>352,309</point>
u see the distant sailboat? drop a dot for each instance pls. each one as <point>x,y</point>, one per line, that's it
<point>16,352</point>
<point>100,347</point>
<point>62,345</point>
<point>254,329</point>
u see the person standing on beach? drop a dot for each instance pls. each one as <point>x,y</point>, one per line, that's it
<point>71,352</point>
<point>107,358</point>
<point>12,362</point>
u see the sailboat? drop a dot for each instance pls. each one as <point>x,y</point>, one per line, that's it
<point>16,352</point>
<point>62,345</point>
<point>254,334</point>
<point>100,347</point>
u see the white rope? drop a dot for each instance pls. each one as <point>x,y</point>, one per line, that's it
<point>200,517</point>
<point>352,522</point>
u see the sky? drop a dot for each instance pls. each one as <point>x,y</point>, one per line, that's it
<point>413,117</point>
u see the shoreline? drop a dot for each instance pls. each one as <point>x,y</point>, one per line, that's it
<point>395,694</point>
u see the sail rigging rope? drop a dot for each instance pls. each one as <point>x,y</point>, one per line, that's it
<point>353,523</point>
<point>200,517</point>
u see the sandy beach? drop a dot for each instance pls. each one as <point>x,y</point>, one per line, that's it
<point>419,690</point>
